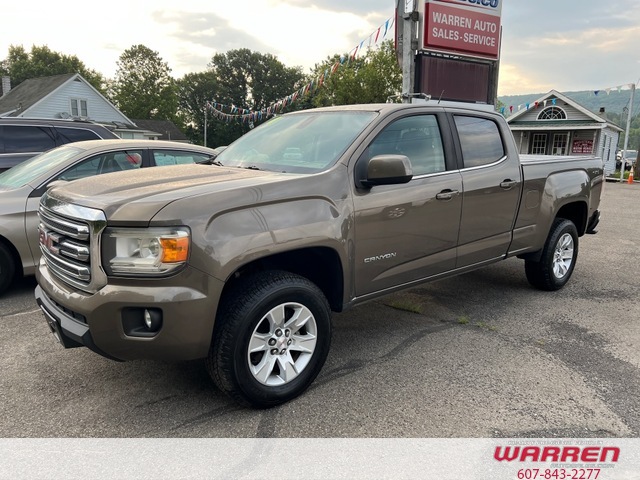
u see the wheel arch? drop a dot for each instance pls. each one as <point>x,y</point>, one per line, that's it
<point>320,265</point>
<point>576,212</point>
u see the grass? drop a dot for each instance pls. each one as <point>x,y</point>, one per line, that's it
<point>616,174</point>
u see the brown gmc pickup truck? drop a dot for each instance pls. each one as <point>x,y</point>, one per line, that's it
<point>241,262</point>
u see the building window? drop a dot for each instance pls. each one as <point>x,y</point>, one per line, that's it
<point>560,141</point>
<point>552,113</point>
<point>539,144</point>
<point>79,108</point>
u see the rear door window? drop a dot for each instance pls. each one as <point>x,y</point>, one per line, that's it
<point>163,158</point>
<point>27,138</point>
<point>68,135</point>
<point>480,140</point>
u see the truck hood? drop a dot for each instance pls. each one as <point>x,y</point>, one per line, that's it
<point>134,197</point>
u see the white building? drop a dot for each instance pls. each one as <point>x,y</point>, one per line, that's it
<point>554,124</point>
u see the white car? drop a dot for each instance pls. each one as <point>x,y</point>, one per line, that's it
<point>22,186</point>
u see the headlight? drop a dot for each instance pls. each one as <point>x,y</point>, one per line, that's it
<point>148,251</point>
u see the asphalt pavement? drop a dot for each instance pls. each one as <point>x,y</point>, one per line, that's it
<point>479,355</point>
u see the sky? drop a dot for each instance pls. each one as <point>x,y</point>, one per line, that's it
<point>567,45</point>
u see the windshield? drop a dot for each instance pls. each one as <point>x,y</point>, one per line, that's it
<point>32,168</point>
<point>301,143</point>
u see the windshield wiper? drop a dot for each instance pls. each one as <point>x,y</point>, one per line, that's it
<point>211,161</point>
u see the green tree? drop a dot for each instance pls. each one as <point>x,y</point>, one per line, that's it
<point>251,81</point>
<point>143,87</point>
<point>195,91</point>
<point>371,78</point>
<point>41,61</point>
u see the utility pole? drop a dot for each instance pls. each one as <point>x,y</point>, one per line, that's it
<point>205,125</point>
<point>626,133</point>
<point>407,44</point>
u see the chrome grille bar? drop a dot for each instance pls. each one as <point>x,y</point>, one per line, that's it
<point>70,242</point>
<point>53,222</point>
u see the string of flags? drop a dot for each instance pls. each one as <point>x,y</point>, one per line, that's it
<point>527,106</point>
<point>229,113</point>
<point>619,88</point>
<point>553,101</point>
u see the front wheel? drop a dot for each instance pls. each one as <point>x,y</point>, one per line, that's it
<point>558,259</point>
<point>271,338</point>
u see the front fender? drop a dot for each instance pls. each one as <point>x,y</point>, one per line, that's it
<point>239,237</point>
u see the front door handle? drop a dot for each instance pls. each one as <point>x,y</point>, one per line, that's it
<point>507,184</point>
<point>447,194</point>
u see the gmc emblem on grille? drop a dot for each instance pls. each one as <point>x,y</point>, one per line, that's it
<point>49,240</point>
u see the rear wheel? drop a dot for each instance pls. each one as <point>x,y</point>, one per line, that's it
<point>558,259</point>
<point>7,268</point>
<point>272,337</point>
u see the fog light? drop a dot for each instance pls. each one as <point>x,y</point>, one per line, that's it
<point>152,319</point>
<point>141,322</point>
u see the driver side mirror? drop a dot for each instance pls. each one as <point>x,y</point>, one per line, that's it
<point>384,170</point>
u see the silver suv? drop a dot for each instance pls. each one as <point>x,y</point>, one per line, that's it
<point>23,138</point>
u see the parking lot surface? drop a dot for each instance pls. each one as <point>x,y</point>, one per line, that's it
<point>479,355</point>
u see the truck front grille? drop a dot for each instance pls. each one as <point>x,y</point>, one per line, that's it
<point>70,243</point>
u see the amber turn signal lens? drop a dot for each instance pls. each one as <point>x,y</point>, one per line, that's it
<point>174,249</point>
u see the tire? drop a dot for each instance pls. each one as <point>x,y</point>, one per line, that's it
<point>7,268</point>
<point>558,259</point>
<point>286,356</point>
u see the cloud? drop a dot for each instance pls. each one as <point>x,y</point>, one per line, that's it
<point>360,7</point>
<point>514,80</point>
<point>298,33</point>
<point>598,39</point>
<point>202,35</point>
<point>553,44</point>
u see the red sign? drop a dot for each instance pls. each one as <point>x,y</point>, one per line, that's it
<point>461,30</point>
<point>582,146</point>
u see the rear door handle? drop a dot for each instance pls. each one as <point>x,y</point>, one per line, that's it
<point>507,184</point>
<point>447,194</point>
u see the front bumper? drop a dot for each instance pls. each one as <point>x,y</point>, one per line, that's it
<point>70,332</point>
<point>188,302</point>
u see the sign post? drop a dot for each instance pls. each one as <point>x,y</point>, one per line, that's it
<point>406,44</point>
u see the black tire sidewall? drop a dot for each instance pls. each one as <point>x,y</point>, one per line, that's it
<point>7,268</point>
<point>305,294</point>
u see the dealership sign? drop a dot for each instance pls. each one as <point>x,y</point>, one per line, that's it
<point>467,27</point>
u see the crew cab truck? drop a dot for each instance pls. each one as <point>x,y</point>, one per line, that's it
<point>241,262</point>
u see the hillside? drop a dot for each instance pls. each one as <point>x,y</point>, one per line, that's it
<point>613,103</point>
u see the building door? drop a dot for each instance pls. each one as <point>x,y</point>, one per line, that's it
<point>560,143</point>
<point>538,145</point>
